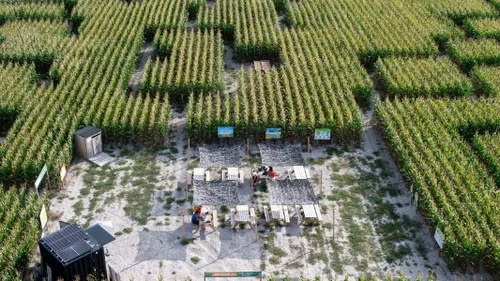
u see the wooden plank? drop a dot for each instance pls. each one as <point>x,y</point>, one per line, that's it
<point>224,175</point>
<point>233,221</point>
<point>265,65</point>
<point>253,220</point>
<point>318,213</point>
<point>308,174</point>
<point>215,219</point>
<point>190,178</point>
<point>309,211</point>
<point>285,212</point>
<point>257,65</point>
<point>266,214</point>
<point>299,172</point>
<point>208,175</point>
<point>242,178</point>
<point>299,214</point>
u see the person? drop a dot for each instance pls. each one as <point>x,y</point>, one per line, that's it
<point>272,173</point>
<point>195,220</point>
<point>257,174</point>
<point>207,219</point>
<point>198,209</point>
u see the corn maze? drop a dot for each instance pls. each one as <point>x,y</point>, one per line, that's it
<point>437,62</point>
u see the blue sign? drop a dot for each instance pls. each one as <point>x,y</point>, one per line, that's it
<point>225,132</point>
<point>273,133</point>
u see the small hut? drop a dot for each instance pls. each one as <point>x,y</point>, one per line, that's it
<point>88,142</point>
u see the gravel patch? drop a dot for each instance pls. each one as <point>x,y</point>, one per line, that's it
<point>215,193</point>
<point>212,156</point>
<point>159,197</point>
<point>290,192</point>
<point>281,155</point>
<point>161,245</point>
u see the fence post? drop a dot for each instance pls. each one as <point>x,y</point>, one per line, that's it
<point>183,225</point>
<point>321,182</point>
<point>187,185</point>
<point>248,152</point>
<point>308,150</point>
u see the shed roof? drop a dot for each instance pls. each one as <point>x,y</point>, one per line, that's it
<point>88,131</point>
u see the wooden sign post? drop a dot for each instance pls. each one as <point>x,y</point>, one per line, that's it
<point>308,150</point>
<point>248,152</point>
<point>183,225</point>
<point>187,185</point>
<point>321,182</point>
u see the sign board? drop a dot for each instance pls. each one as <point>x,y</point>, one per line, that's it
<point>63,173</point>
<point>225,132</point>
<point>322,134</point>
<point>273,133</point>
<point>43,217</point>
<point>439,237</point>
<point>234,274</point>
<point>40,177</point>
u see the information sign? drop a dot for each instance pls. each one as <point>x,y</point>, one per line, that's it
<point>439,237</point>
<point>63,173</point>
<point>43,217</point>
<point>225,132</point>
<point>322,134</point>
<point>273,133</point>
<point>40,178</point>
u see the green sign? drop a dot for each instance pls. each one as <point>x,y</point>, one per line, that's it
<point>322,134</point>
<point>234,274</point>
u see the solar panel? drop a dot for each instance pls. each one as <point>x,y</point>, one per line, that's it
<point>68,243</point>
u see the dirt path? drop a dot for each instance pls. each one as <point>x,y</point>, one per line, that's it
<point>145,54</point>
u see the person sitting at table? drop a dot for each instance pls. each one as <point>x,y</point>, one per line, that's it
<point>259,172</point>
<point>195,220</point>
<point>207,220</point>
<point>198,209</point>
<point>272,173</point>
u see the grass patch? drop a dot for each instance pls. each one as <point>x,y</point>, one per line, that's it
<point>78,208</point>
<point>127,230</point>
<point>343,180</point>
<point>195,260</point>
<point>193,165</point>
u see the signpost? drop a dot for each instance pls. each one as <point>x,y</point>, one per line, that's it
<point>273,133</point>
<point>439,237</point>
<point>234,274</point>
<point>225,132</point>
<point>40,178</point>
<point>322,134</point>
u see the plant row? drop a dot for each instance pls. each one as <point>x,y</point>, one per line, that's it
<point>32,41</point>
<point>488,149</point>
<point>487,79</point>
<point>252,24</point>
<point>486,28</point>
<point>456,192</point>
<point>276,99</point>
<point>468,53</point>
<point>90,92</point>
<point>31,11</point>
<point>409,77</point>
<point>19,231</point>
<point>194,63</point>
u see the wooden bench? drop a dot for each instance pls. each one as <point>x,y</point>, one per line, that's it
<point>242,178</point>
<point>190,178</point>
<point>224,173</point>
<point>207,175</point>
<point>266,214</point>
<point>233,220</point>
<point>215,219</point>
<point>285,213</point>
<point>299,214</point>
<point>318,213</point>
<point>253,219</point>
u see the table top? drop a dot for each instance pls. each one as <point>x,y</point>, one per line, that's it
<point>199,172</point>
<point>232,173</point>
<point>277,211</point>
<point>300,172</point>
<point>242,213</point>
<point>309,211</point>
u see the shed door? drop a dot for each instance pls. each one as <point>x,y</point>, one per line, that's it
<point>90,148</point>
<point>97,144</point>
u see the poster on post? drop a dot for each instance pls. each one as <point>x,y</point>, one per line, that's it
<point>39,180</point>
<point>322,134</point>
<point>225,132</point>
<point>273,133</point>
<point>43,217</point>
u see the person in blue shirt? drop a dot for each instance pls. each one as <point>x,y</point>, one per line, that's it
<point>195,220</point>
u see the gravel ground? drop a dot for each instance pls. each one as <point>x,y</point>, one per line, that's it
<point>290,192</point>
<point>281,155</point>
<point>218,157</point>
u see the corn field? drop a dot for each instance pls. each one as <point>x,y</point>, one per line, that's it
<point>438,123</point>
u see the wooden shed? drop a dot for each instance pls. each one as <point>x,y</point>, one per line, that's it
<point>88,142</point>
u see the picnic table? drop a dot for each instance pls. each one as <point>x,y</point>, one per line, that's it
<point>233,173</point>
<point>199,174</point>
<point>311,213</point>
<point>300,172</point>
<point>242,215</point>
<point>278,213</point>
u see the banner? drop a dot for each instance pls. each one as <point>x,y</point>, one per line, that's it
<point>63,173</point>
<point>234,274</point>
<point>225,132</point>
<point>273,133</point>
<point>322,134</point>
<point>40,178</point>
